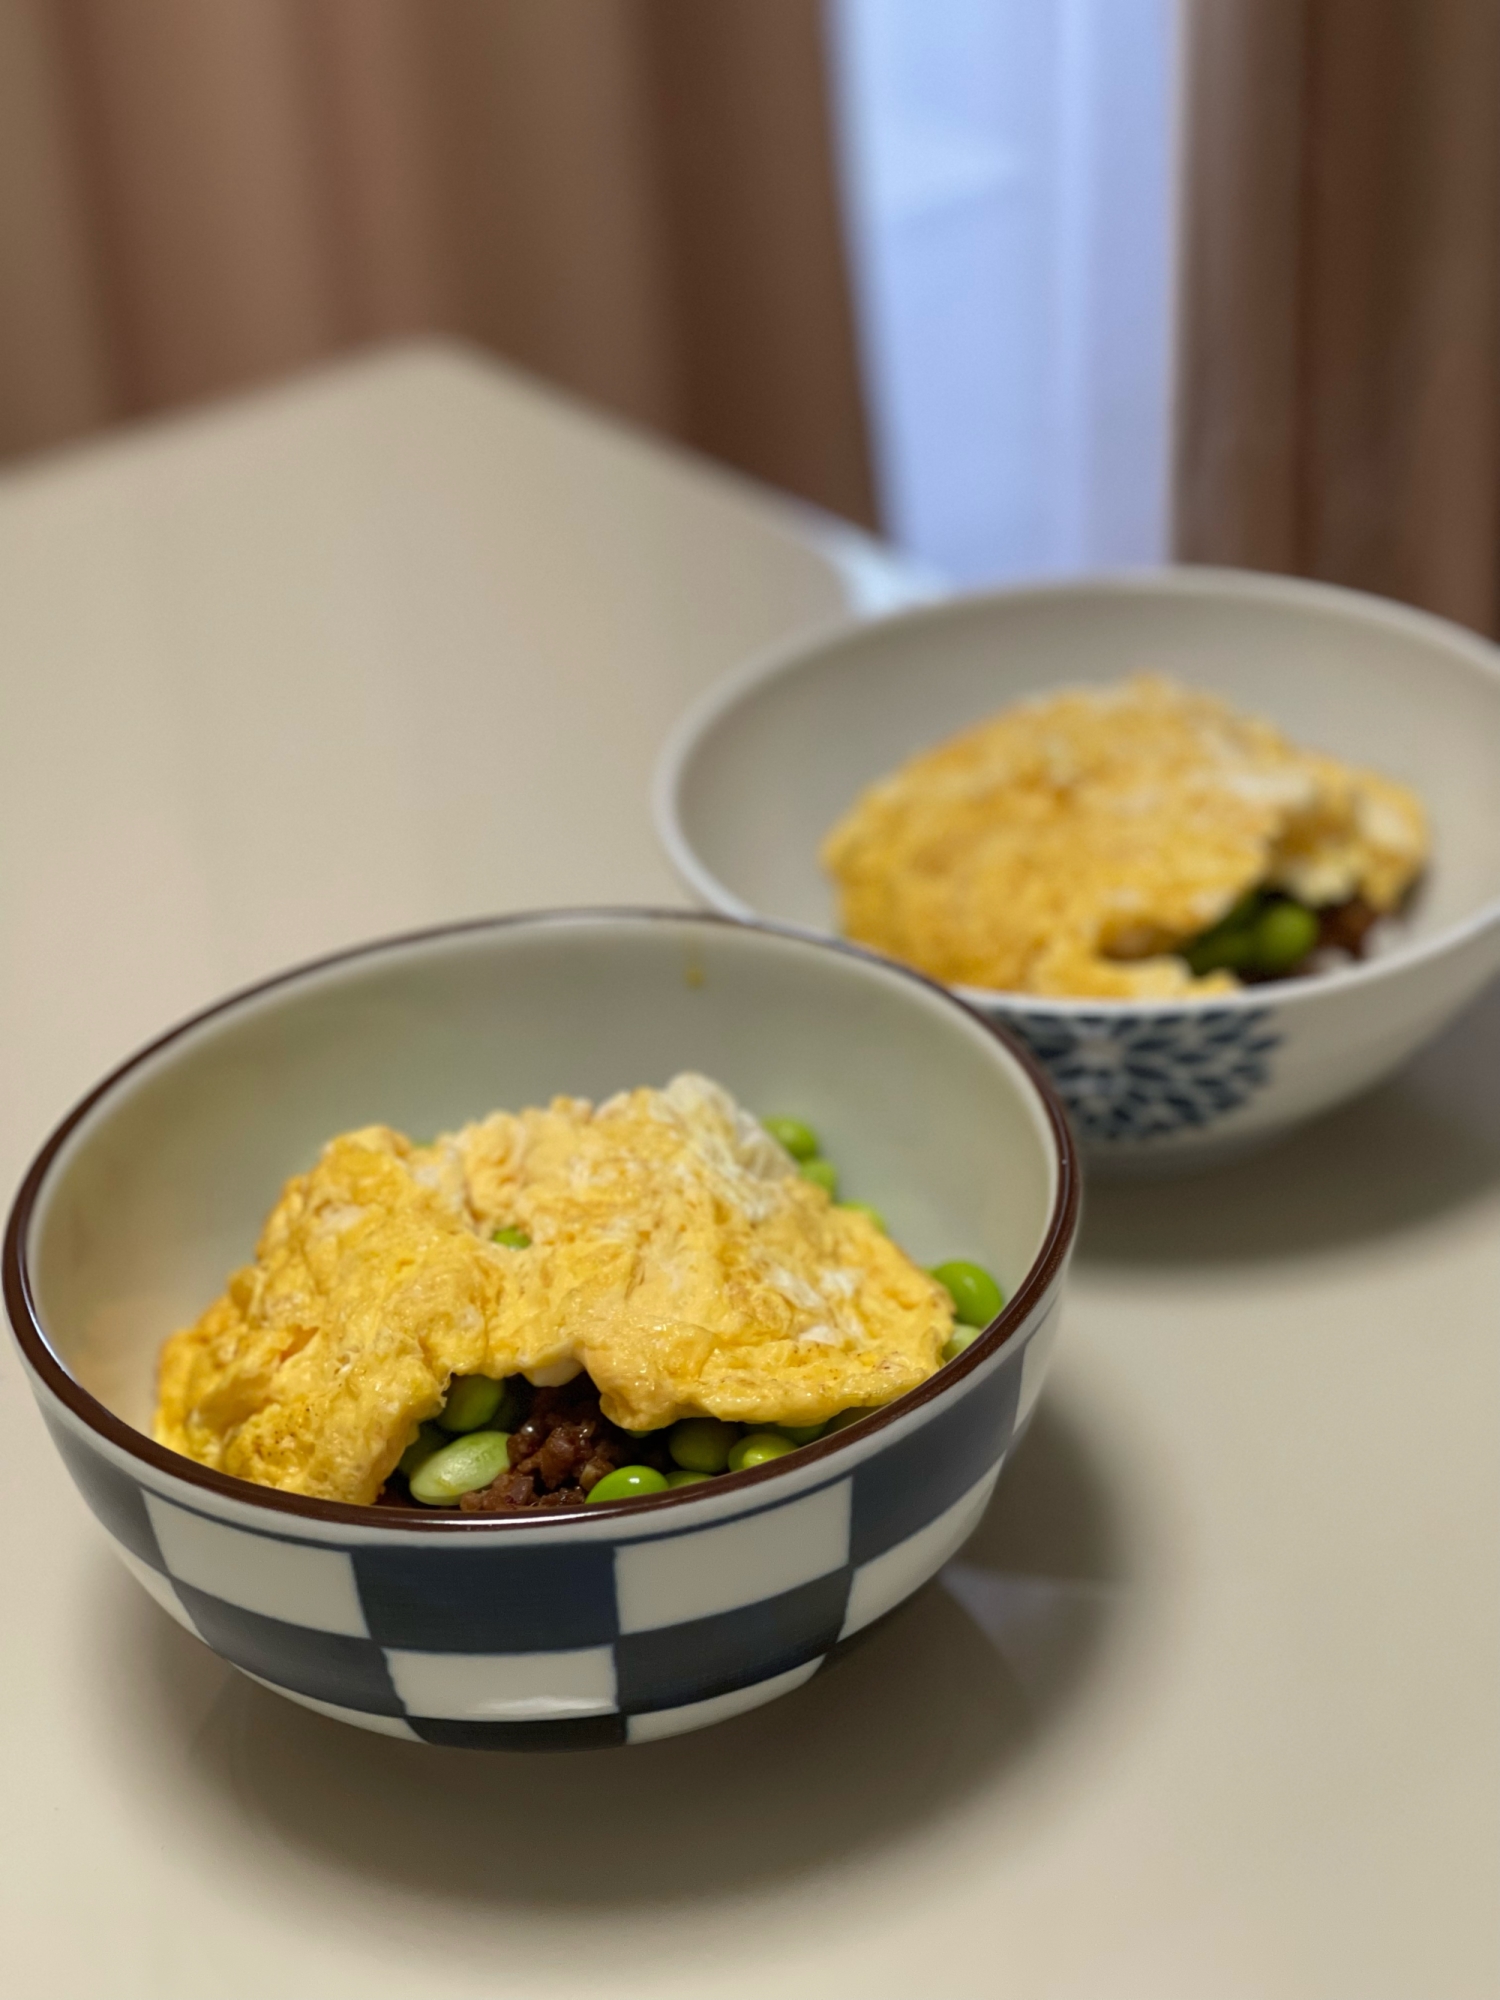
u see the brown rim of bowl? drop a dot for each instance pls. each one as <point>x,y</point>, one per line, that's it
<point>27,1326</point>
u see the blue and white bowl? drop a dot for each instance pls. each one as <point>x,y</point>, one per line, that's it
<point>621,1623</point>
<point>757,772</point>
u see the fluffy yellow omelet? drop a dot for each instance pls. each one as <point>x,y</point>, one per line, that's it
<point>1069,845</point>
<point>676,1254</point>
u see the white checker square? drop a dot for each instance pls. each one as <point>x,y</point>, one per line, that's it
<point>699,1714</point>
<point>881,1584</point>
<point>683,1577</point>
<point>159,1586</point>
<point>362,1718</point>
<point>504,1687</point>
<point>1034,1363</point>
<point>307,1586</point>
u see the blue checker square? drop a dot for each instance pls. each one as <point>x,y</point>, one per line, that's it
<point>477,1600</point>
<point>911,1482</point>
<point>113,1497</point>
<point>329,1666</point>
<point>569,1732</point>
<point>672,1665</point>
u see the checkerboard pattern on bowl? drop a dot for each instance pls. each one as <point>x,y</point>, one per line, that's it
<point>583,1634</point>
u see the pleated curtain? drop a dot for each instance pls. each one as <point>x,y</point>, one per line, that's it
<point>1339,370</point>
<point>634,198</point>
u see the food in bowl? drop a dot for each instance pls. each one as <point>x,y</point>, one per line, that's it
<point>557,1306</point>
<point>603,1624</point>
<point>1138,841</point>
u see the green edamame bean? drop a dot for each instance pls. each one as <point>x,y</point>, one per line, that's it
<point>843,1420</point>
<point>683,1477</point>
<point>1232,953</point>
<point>976,1297</point>
<point>702,1444</point>
<point>800,1140</point>
<point>1242,914</point>
<point>511,1238</point>
<point>515,1402</point>
<point>629,1482</point>
<point>822,1173</point>
<point>759,1448</point>
<point>464,1466</point>
<point>1228,945</point>
<point>802,1433</point>
<point>870,1212</point>
<point>472,1403</point>
<point>960,1338</point>
<point>429,1438</point>
<point>1284,933</point>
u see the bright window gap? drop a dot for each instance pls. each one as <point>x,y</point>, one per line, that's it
<point>1007,169</point>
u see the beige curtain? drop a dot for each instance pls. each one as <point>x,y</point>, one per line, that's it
<point>1340,347</point>
<point>633,197</point>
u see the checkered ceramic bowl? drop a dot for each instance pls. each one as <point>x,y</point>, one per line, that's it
<point>618,1623</point>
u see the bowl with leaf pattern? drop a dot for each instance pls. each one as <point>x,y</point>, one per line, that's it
<point>757,772</point>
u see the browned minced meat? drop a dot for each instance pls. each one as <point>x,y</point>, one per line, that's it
<point>561,1450</point>
<point>1346,926</point>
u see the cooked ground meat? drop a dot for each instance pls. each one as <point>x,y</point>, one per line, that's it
<point>1346,926</point>
<point>558,1453</point>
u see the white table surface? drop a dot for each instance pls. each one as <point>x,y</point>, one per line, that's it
<point>1207,1708</point>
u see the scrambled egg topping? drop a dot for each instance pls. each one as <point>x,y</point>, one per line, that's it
<point>1067,845</point>
<point>676,1254</point>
